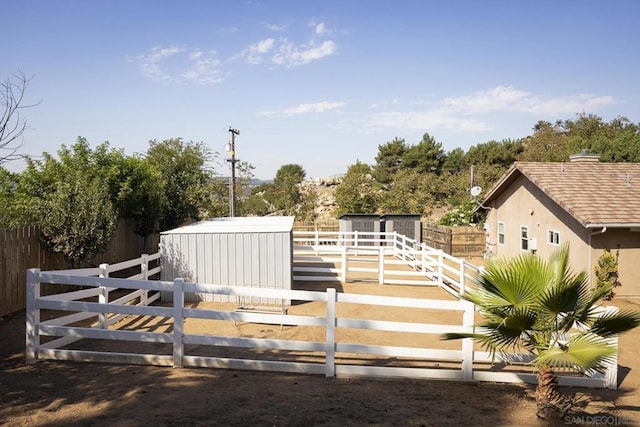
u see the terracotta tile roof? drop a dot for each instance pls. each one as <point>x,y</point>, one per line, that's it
<point>594,193</point>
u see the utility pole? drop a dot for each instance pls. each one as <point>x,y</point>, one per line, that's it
<point>232,179</point>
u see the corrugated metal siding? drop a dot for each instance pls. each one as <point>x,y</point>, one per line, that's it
<point>252,259</point>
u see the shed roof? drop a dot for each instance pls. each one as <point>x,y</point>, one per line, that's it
<point>359,215</point>
<point>595,194</point>
<point>261,224</point>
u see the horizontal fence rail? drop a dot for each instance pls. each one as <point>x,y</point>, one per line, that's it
<point>92,315</point>
<point>332,255</point>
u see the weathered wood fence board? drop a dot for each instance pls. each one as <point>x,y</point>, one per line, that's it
<point>329,225</point>
<point>455,241</point>
<point>23,248</point>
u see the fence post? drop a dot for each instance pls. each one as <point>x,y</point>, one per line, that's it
<point>330,344</point>
<point>317,245</point>
<point>611,366</point>
<point>178,322</point>
<point>381,265</point>
<point>344,263</point>
<point>467,343</point>
<point>32,316</point>
<point>103,296</point>
<point>440,268</point>
<point>462,277</point>
<point>404,247</point>
<point>144,272</point>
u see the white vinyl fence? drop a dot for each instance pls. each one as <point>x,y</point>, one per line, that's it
<point>58,338</point>
<point>332,256</point>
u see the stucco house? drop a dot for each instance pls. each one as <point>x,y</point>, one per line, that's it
<point>594,206</point>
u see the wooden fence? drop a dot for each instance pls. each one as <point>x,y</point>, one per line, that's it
<point>328,225</point>
<point>23,248</point>
<point>464,242</point>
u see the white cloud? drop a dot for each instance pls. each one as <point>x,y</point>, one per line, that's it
<point>421,120</point>
<point>320,29</point>
<point>507,98</point>
<point>205,68</point>
<point>276,27</point>
<point>291,55</point>
<point>476,112</point>
<point>317,107</point>
<point>178,64</point>
<point>150,63</point>
<point>254,53</point>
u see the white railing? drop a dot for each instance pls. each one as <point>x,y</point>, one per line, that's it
<point>66,331</point>
<point>377,253</point>
<point>55,338</point>
<point>138,297</point>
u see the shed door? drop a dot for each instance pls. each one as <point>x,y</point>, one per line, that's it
<point>406,228</point>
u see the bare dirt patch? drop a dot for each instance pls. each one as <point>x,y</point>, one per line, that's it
<point>69,393</point>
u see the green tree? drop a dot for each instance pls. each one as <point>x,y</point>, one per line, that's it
<point>80,219</point>
<point>389,160</point>
<point>139,193</point>
<point>454,161</point>
<point>425,157</point>
<point>408,193</point>
<point>535,305</point>
<point>356,193</point>
<point>502,153</point>
<point>616,141</point>
<point>15,209</point>
<point>284,195</point>
<point>549,143</point>
<point>185,180</point>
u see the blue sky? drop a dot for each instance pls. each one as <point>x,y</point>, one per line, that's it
<point>317,83</point>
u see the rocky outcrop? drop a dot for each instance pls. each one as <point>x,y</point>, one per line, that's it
<point>325,189</point>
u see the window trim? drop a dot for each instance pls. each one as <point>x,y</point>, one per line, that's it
<point>501,234</point>
<point>551,233</point>
<point>524,242</point>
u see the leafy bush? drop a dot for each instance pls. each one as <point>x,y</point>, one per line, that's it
<point>607,273</point>
<point>463,215</point>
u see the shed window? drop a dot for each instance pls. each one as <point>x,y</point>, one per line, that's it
<point>524,238</point>
<point>554,237</point>
<point>501,233</point>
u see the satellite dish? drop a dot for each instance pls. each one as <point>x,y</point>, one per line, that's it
<point>475,190</point>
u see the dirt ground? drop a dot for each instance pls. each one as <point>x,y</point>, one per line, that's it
<point>94,394</point>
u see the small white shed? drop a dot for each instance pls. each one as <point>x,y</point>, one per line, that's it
<point>240,251</point>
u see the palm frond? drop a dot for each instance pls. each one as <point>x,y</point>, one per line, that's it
<point>586,351</point>
<point>547,309</point>
<point>609,324</point>
<point>511,283</point>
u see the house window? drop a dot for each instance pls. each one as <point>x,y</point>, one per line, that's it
<point>501,233</point>
<point>554,237</point>
<point>524,238</point>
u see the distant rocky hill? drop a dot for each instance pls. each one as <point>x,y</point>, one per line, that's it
<point>325,189</point>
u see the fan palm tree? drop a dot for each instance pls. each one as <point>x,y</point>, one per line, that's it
<point>544,308</point>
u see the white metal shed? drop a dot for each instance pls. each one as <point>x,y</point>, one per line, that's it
<point>239,251</point>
